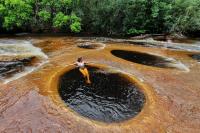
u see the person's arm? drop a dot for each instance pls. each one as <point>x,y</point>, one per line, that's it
<point>75,63</point>
<point>87,63</point>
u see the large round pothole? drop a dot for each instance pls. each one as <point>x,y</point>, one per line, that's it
<point>111,97</point>
<point>148,59</point>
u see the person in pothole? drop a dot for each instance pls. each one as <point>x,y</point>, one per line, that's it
<point>82,68</point>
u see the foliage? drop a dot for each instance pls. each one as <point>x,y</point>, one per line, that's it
<point>60,20</point>
<point>16,13</point>
<point>75,27</point>
<point>44,15</point>
<point>133,17</point>
<point>75,23</point>
<point>109,17</point>
<point>187,16</point>
<point>135,32</point>
<point>38,15</point>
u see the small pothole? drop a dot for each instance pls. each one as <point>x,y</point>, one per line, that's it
<point>91,45</point>
<point>195,57</point>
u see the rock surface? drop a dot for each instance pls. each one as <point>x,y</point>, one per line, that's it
<point>30,104</point>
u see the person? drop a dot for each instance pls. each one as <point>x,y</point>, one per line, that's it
<point>81,65</point>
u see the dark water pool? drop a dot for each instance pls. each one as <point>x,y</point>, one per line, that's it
<point>196,57</point>
<point>142,58</point>
<point>110,98</point>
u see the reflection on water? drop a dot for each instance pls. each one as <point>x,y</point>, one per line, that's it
<point>110,98</point>
<point>18,57</point>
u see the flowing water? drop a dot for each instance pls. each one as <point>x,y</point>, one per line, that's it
<point>17,58</point>
<point>138,86</point>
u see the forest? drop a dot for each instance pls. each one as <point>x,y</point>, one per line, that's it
<point>101,17</point>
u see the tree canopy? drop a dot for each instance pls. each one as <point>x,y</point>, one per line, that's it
<point>109,17</point>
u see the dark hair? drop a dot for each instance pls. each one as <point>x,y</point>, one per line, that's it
<point>80,59</point>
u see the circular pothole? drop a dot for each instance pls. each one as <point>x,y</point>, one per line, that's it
<point>91,45</point>
<point>111,97</point>
<point>146,59</point>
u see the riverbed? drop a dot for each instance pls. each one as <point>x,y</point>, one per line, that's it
<point>167,73</point>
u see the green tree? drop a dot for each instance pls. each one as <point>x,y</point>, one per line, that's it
<point>60,20</point>
<point>44,15</point>
<point>16,13</point>
<point>56,14</point>
<point>187,16</point>
<point>108,17</point>
<point>75,25</point>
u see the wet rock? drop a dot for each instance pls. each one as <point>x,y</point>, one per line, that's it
<point>9,67</point>
<point>142,36</point>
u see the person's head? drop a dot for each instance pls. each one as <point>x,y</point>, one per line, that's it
<point>80,59</point>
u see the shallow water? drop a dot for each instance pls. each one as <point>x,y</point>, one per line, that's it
<point>18,57</point>
<point>30,101</point>
<point>109,98</point>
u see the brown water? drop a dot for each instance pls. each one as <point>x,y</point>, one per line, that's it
<point>30,101</point>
